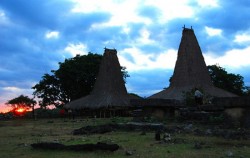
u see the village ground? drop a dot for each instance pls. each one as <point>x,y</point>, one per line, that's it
<point>17,135</point>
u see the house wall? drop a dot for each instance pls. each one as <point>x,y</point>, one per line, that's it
<point>159,112</point>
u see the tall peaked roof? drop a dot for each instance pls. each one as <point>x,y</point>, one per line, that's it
<point>190,67</point>
<point>109,89</point>
<point>109,79</point>
<point>190,71</point>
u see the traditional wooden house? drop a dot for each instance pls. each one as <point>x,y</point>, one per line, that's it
<point>190,72</point>
<point>109,96</point>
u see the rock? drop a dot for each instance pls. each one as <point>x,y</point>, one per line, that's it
<point>94,130</point>
<point>129,152</point>
<point>78,147</point>
<point>178,141</point>
<point>132,126</point>
<point>188,128</point>
<point>198,132</point>
<point>167,137</point>
<point>229,154</point>
<point>158,135</point>
<point>197,145</point>
<point>48,145</point>
<point>22,144</point>
<point>208,132</point>
<point>143,133</point>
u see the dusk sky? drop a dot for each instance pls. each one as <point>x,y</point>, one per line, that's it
<point>37,34</point>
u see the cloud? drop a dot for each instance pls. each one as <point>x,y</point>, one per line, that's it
<point>76,49</point>
<point>135,59</point>
<point>145,37</point>
<point>228,16</point>
<point>235,58</point>
<point>8,93</point>
<point>3,19</point>
<point>36,35</point>
<point>152,81</point>
<point>171,9</point>
<point>52,34</point>
<point>208,3</point>
<point>37,13</point>
<point>242,38</point>
<point>213,31</point>
<point>117,9</point>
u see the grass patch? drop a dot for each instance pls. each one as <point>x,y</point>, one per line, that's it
<point>17,135</point>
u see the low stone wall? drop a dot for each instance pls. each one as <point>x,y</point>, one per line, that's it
<point>155,102</point>
<point>157,108</point>
<point>236,111</point>
<point>159,112</point>
<point>237,117</point>
<point>232,102</point>
<point>245,119</point>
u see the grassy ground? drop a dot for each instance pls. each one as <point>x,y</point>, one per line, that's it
<point>17,135</point>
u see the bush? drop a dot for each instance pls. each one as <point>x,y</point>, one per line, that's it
<point>47,113</point>
<point>216,119</point>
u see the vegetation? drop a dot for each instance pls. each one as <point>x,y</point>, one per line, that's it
<point>228,81</point>
<point>17,135</point>
<point>216,119</point>
<point>21,104</point>
<point>75,78</point>
<point>247,91</point>
<point>190,100</point>
<point>231,82</point>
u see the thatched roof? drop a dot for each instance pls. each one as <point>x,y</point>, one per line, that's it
<point>109,89</point>
<point>190,71</point>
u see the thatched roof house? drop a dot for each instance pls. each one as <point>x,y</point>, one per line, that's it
<point>109,89</point>
<point>190,71</point>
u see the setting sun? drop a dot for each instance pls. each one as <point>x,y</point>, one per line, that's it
<point>20,110</point>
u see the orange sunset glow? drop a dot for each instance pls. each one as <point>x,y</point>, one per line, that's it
<point>4,109</point>
<point>19,111</point>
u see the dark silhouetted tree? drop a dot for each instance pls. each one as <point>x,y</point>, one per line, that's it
<point>22,103</point>
<point>222,79</point>
<point>247,91</point>
<point>49,91</point>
